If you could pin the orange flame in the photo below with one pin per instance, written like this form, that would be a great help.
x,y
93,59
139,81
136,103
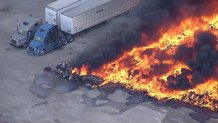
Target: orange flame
x,y
133,68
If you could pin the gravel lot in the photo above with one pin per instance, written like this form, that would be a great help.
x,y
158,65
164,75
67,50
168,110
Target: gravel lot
x,y
17,71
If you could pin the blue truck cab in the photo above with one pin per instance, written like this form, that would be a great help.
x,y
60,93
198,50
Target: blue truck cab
x,y
46,39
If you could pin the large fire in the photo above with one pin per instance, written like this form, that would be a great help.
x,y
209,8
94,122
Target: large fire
x,y
139,69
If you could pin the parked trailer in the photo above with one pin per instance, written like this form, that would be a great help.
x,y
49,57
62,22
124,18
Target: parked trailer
x,y
65,18
53,10
83,14
91,13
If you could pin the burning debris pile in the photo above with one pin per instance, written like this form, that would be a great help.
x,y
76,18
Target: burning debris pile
x,y
175,57
66,71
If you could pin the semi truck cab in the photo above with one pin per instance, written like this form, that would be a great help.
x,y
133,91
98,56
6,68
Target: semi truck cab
x,y
46,39
25,32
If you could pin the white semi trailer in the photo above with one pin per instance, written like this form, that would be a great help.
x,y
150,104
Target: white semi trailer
x,y
73,16
65,18
53,10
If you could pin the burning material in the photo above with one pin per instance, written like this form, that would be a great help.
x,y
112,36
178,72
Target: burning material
x,y
213,24
182,64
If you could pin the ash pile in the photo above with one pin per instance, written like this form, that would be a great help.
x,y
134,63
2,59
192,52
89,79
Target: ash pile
x,y
61,80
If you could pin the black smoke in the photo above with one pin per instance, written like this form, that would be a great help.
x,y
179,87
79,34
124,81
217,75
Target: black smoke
x,y
152,15
202,59
204,64
183,53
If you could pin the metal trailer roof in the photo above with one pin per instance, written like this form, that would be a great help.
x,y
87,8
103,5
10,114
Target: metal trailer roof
x,y
61,4
85,6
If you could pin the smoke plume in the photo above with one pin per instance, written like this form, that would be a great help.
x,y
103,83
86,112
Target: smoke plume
x,y
152,15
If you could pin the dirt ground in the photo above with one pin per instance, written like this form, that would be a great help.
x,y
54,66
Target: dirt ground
x,y
17,71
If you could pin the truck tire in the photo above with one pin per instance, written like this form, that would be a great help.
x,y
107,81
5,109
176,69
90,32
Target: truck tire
x,y
43,52
25,45
65,41
70,38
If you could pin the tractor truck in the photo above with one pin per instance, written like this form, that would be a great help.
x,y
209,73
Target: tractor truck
x,y
25,32
65,18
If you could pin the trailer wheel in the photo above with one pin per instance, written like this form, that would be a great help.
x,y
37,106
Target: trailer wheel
x,y
70,38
